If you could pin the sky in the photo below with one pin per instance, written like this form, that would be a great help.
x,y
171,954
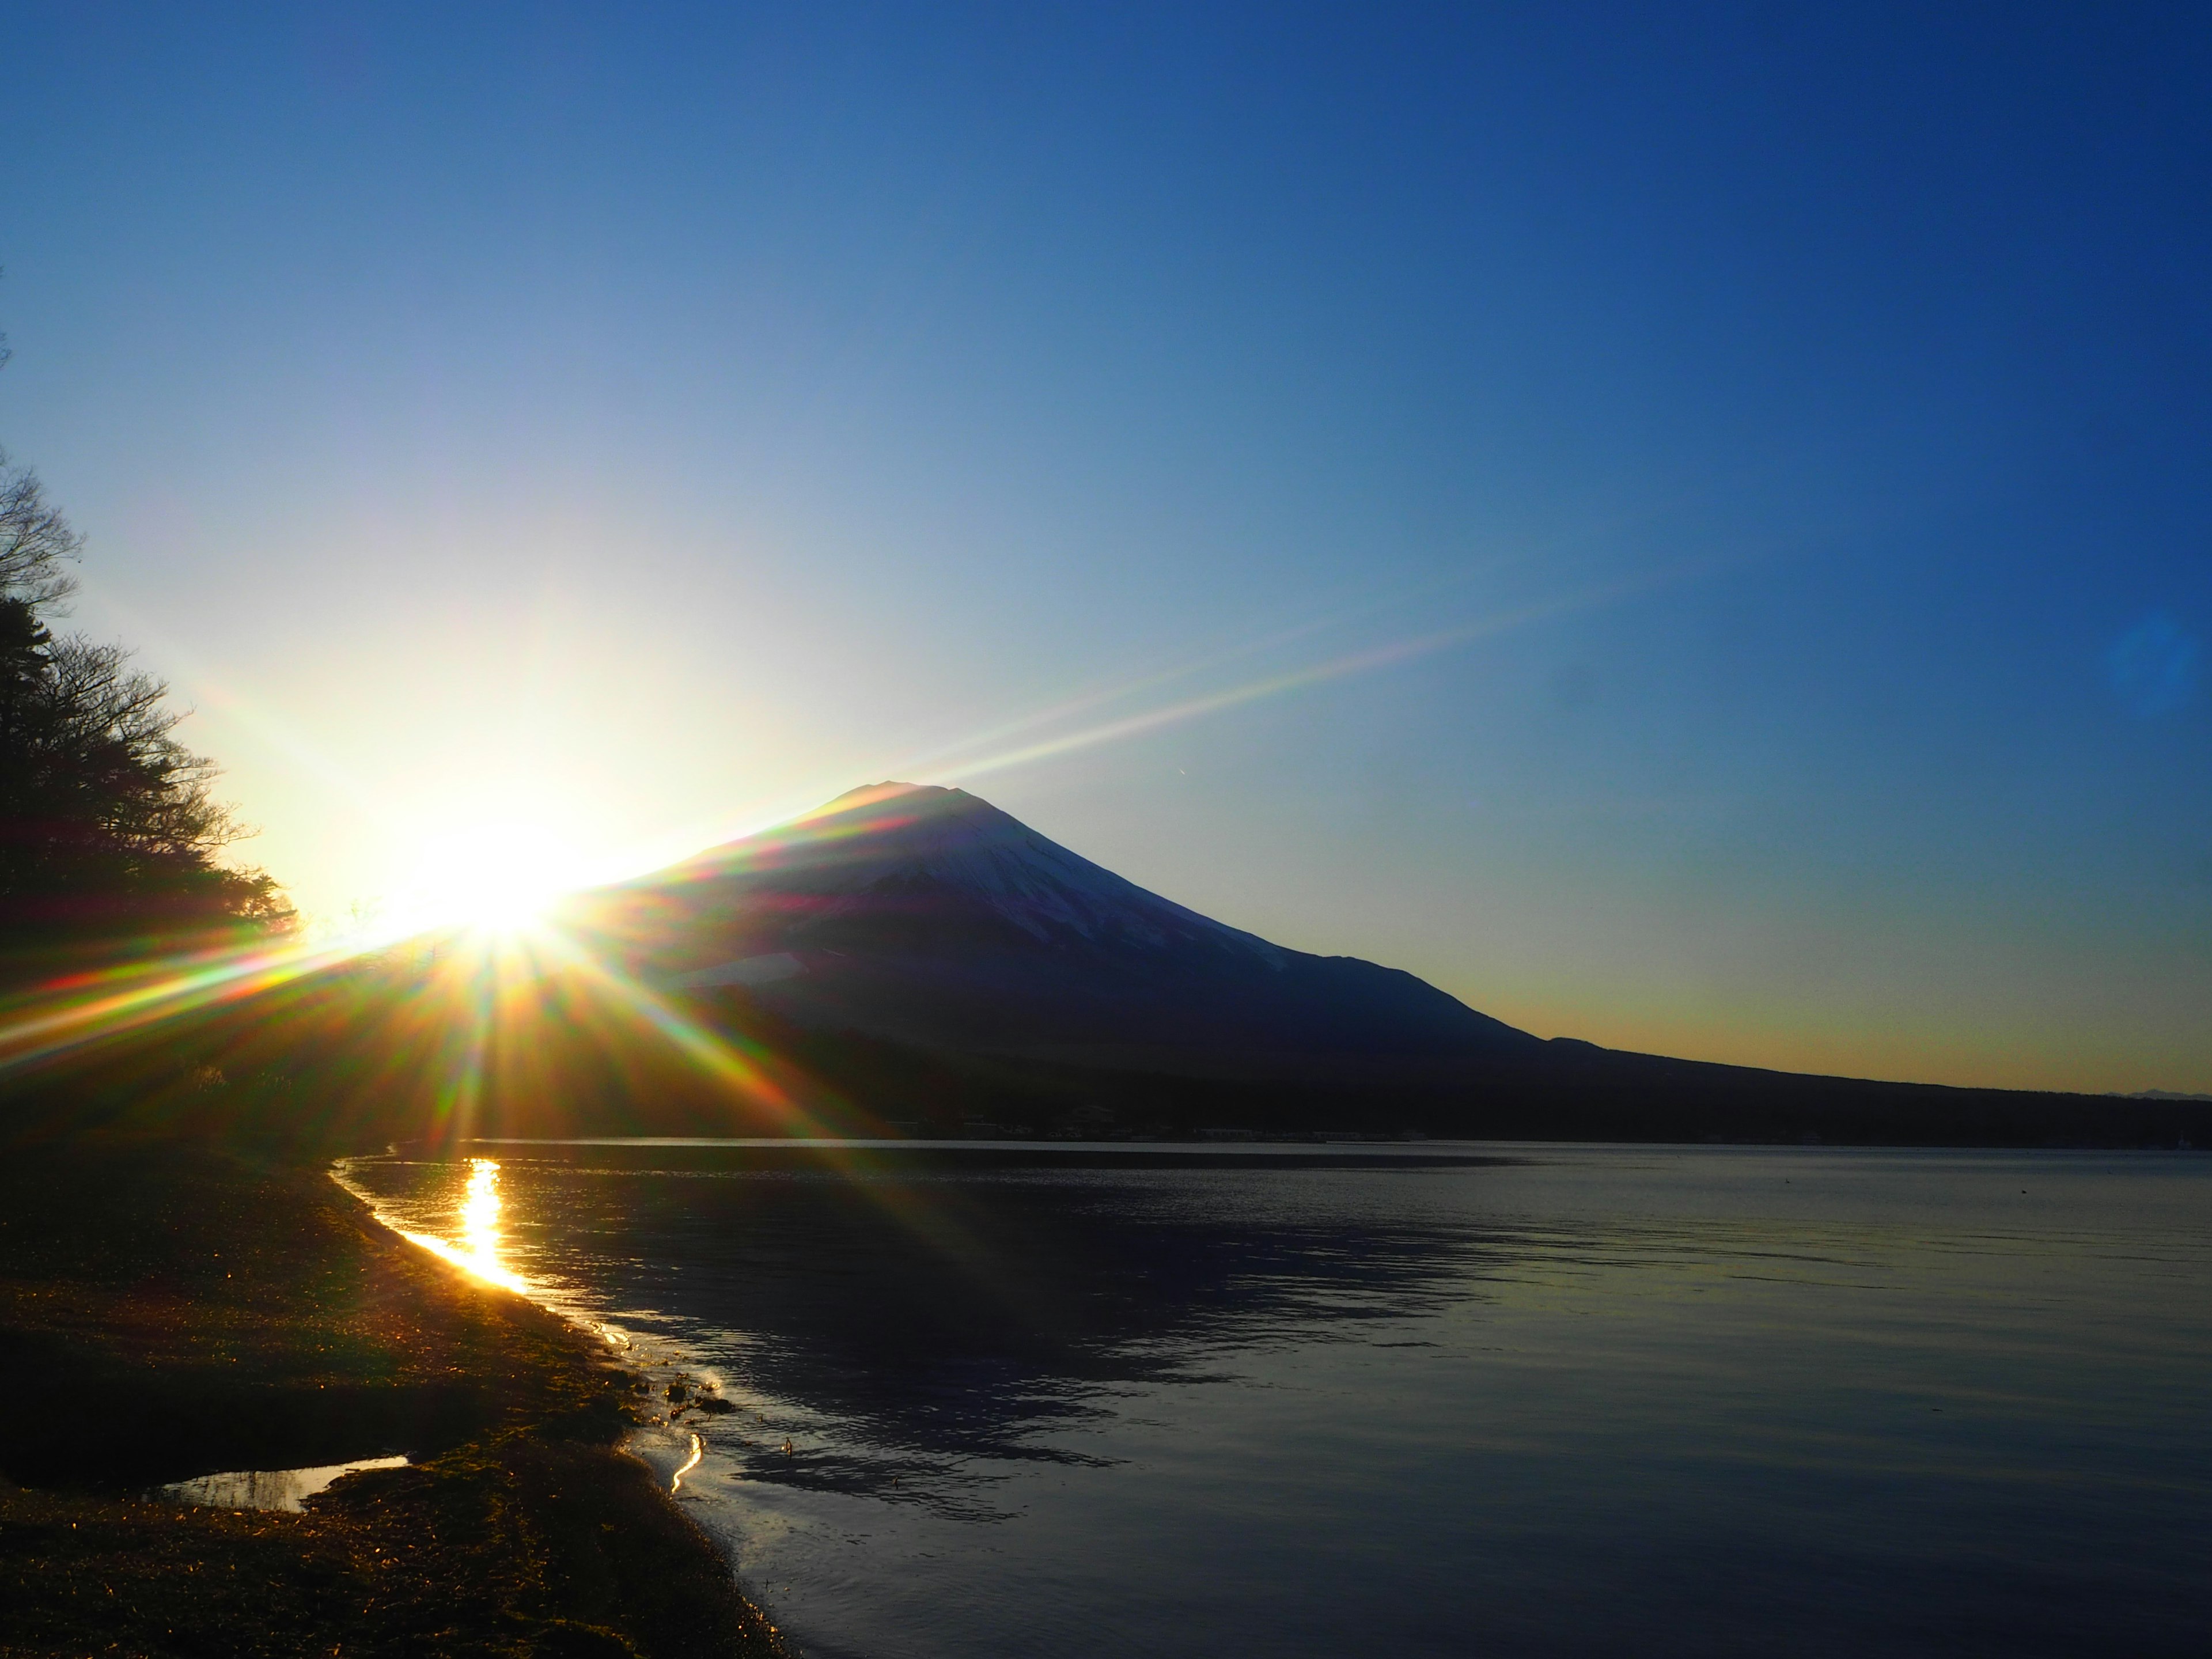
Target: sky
x,y
1688,526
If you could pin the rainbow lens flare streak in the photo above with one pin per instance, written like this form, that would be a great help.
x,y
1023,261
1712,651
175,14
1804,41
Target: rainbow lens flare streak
x,y
735,1062
75,1011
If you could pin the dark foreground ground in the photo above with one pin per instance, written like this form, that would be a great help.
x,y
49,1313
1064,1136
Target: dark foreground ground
x,y
169,1310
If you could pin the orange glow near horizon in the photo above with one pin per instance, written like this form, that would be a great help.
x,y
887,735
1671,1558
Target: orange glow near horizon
x,y
479,967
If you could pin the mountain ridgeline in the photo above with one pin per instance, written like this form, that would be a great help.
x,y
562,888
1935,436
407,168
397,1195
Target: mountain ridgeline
x,y
936,966
927,916
914,962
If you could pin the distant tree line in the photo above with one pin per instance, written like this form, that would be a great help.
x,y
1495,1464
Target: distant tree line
x,y
108,829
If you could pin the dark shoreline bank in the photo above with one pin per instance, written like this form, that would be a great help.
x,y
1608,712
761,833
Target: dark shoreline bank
x,y
168,1309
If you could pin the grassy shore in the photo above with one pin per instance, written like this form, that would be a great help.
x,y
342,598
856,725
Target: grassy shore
x,y
169,1310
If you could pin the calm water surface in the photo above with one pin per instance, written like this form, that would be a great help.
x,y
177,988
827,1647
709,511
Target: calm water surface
x,y
1587,1401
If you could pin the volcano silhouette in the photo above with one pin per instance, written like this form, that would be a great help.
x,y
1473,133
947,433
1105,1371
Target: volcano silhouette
x,y
922,952
929,917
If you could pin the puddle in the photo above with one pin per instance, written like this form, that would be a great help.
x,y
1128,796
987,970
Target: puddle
x,y
267,1489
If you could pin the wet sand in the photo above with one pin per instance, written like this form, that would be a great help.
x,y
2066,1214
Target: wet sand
x,y
168,1311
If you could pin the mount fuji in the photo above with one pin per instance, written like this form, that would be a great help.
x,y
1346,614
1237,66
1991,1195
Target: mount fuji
x,y
927,917
919,955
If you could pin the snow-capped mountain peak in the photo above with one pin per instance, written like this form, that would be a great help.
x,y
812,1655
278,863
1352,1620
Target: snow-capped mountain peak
x,y
891,843
930,917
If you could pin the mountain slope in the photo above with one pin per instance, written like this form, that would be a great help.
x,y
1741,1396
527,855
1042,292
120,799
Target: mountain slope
x,y
928,916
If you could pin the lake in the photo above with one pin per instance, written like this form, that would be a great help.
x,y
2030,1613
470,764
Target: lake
x,y
1555,1400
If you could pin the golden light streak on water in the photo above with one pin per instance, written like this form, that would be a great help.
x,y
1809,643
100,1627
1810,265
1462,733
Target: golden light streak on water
x,y
698,1451
480,1213
477,1251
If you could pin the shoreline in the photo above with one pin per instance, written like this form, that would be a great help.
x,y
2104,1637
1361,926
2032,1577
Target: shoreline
x,y
653,1435
213,1313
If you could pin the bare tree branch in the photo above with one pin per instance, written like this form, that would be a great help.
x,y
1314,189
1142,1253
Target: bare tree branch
x,y
34,540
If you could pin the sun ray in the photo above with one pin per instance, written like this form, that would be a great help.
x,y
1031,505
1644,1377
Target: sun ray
x,y
1336,668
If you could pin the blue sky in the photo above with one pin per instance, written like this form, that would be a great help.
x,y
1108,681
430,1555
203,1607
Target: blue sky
x,y
1709,504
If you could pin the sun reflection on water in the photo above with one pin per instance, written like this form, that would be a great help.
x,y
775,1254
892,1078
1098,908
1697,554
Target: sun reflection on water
x,y
477,1251
480,1210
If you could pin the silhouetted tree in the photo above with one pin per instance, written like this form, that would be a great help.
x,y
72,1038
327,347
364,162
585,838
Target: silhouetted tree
x,y
107,826
34,539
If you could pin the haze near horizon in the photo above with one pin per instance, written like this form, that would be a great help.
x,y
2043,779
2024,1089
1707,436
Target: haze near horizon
x,y
1683,526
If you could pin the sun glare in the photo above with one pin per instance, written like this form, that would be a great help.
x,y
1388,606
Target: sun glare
x,y
498,878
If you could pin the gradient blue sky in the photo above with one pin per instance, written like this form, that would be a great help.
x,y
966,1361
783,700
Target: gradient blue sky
x,y
1688,527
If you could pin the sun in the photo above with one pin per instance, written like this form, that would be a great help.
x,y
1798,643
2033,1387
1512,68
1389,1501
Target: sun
x,y
507,902
494,876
